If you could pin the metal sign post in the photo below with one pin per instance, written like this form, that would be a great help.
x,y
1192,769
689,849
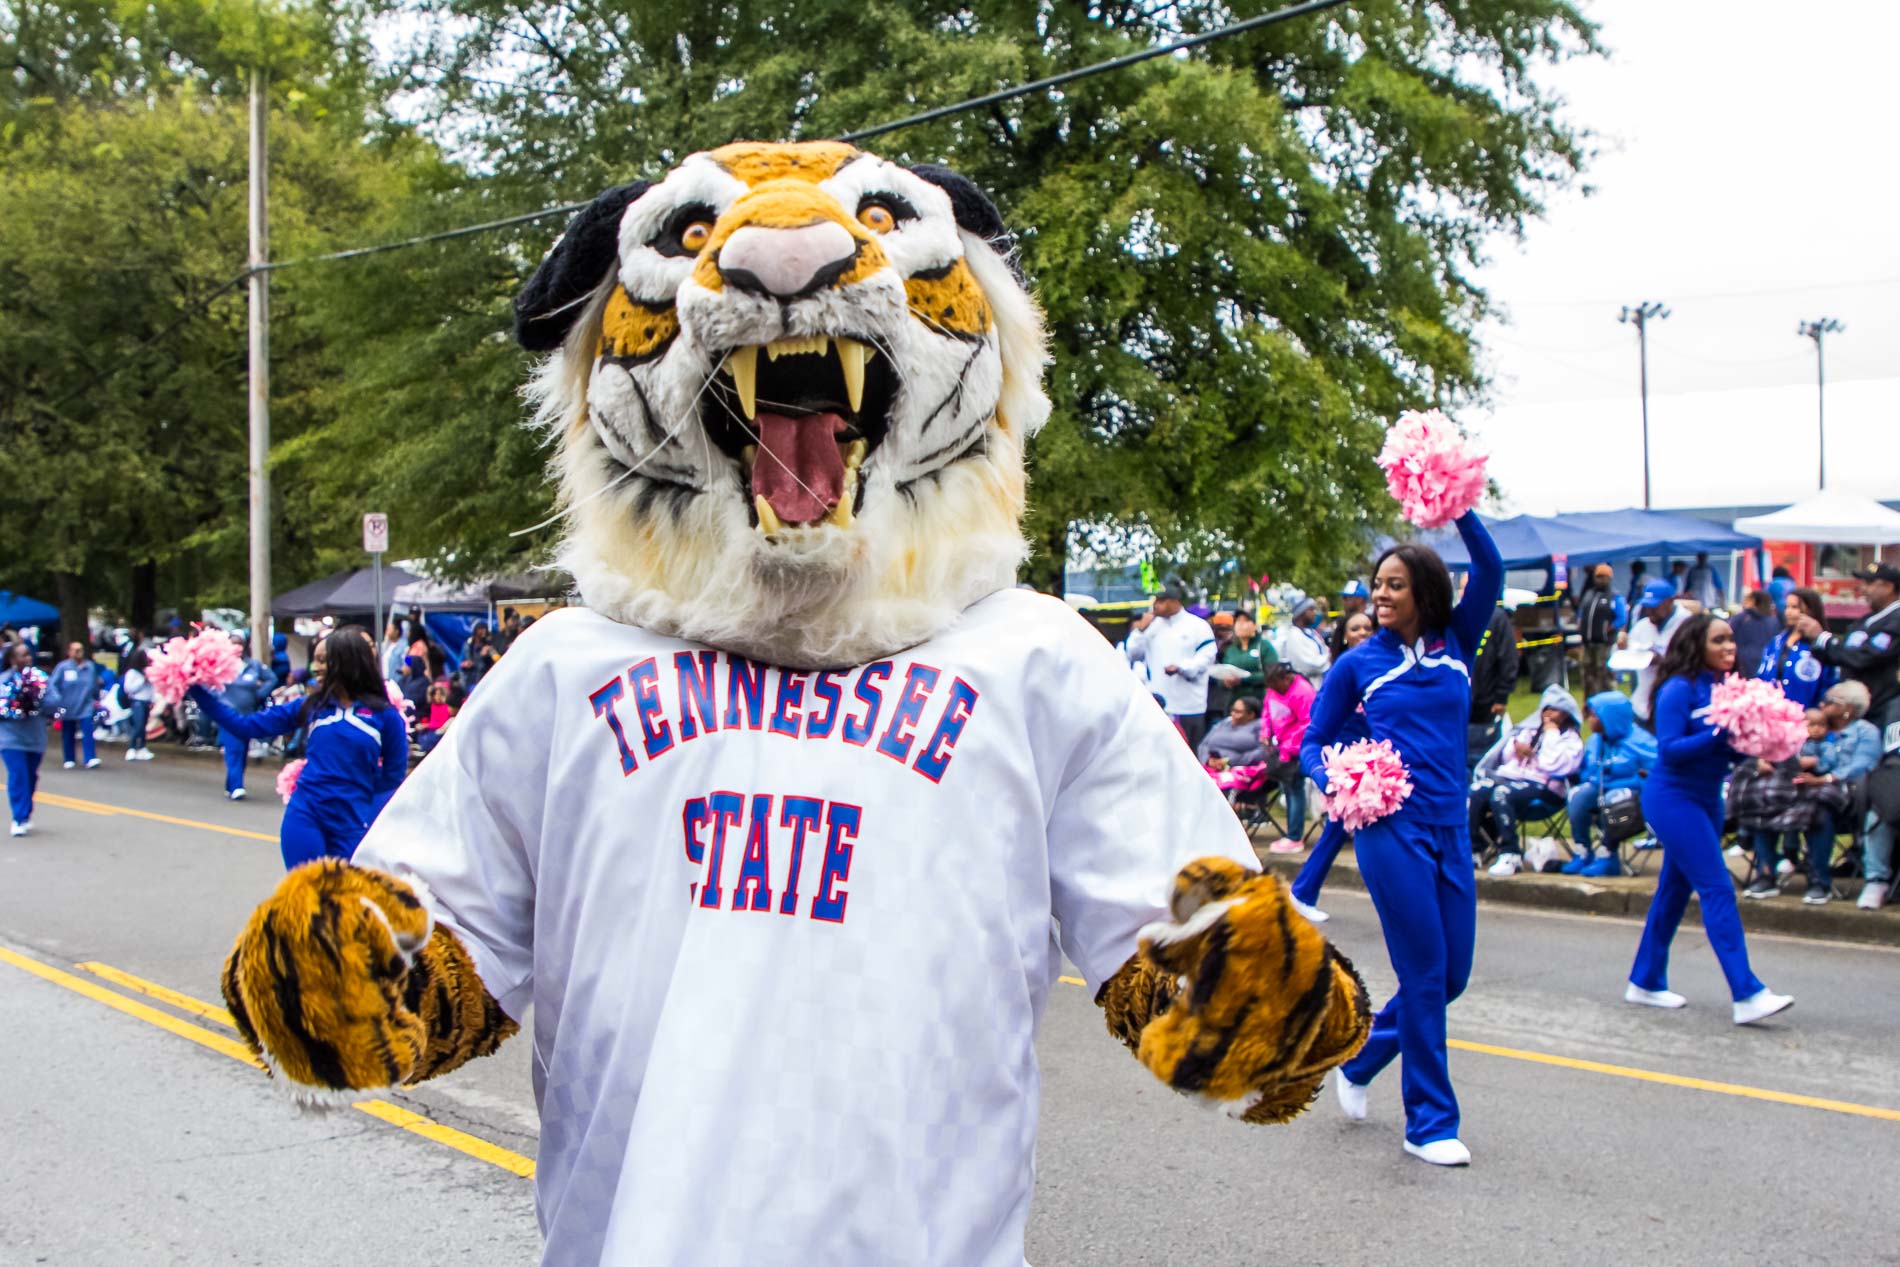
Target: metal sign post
x,y
376,542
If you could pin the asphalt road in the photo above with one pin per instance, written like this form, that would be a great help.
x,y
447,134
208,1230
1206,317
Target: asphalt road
x,y
126,1144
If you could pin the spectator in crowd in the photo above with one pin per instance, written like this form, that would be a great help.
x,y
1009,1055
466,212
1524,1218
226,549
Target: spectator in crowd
x,y
1302,646
280,657
1703,585
1178,649
1220,696
1679,578
1870,652
22,732
1246,651
1683,804
1659,616
246,694
414,683
1235,739
1601,615
1289,708
71,696
432,719
395,647
1755,627
1763,801
510,630
1638,581
1493,678
1825,786
1780,585
136,690
478,656
1616,759
1527,775
1352,602
1788,660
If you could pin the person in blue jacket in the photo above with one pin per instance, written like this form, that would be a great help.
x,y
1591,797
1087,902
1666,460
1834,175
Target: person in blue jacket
x,y
22,730
1682,803
280,657
1618,757
244,695
356,745
1413,681
1789,660
71,696
1355,629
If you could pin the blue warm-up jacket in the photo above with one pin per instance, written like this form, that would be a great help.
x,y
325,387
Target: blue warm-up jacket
x,y
1418,697
357,754
1790,664
1691,754
1618,755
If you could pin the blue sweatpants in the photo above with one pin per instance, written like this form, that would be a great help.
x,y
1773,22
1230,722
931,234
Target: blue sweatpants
x,y
1419,876
23,776
315,829
235,751
1319,862
1689,827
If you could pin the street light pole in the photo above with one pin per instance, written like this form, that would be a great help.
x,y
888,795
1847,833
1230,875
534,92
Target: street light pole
x,y
260,379
1819,330
1640,316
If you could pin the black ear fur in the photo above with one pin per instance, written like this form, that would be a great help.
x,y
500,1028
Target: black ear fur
x,y
549,304
975,212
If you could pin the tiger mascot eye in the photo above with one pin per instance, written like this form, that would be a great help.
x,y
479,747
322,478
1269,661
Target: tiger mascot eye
x,y
782,836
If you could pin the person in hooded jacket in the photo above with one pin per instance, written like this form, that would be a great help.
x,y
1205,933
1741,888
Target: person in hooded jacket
x,y
71,697
1617,758
1527,775
1790,662
243,695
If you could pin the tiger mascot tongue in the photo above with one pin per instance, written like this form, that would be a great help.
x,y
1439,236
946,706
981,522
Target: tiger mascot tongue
x,y
784,834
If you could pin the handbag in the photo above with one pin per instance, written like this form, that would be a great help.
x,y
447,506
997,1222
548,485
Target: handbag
x,y
1622,811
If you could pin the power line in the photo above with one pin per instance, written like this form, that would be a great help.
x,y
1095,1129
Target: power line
x,y
927,116
192,309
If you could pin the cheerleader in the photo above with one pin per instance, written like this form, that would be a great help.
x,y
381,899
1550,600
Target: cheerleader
x,y
1682,803
1355,629
1412,680
22,730
356,747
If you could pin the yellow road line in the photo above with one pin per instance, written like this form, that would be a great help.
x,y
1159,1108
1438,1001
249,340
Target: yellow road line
x,y
183,1002
383,1110
1677,1080
99,807
131,1007
1071,981
1666,1079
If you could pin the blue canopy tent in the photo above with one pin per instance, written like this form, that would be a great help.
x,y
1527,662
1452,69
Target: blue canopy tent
x,y
18,609
1663,534
1531,540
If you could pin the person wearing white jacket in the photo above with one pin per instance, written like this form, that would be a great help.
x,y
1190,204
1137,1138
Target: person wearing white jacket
x,y
1302,646
1527,775
1178,648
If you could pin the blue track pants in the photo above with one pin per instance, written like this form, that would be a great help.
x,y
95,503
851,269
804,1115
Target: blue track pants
x,y
315,829
235,751
1419,876
1690,830
1319,862
23,776
75,737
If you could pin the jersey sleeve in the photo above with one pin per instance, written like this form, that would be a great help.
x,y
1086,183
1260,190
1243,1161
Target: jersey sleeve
x,y
1130,807
466,824
1483,590
278,719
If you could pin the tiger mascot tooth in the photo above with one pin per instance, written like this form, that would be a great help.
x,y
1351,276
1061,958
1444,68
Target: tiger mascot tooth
x,y
779,840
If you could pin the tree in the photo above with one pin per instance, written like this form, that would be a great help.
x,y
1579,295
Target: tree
x,y
1252,257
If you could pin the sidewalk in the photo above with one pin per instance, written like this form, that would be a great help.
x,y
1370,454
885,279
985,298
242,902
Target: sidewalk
x,y
1628,896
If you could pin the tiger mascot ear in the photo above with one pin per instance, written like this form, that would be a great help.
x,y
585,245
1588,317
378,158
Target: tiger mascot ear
x,y
975,213
551,302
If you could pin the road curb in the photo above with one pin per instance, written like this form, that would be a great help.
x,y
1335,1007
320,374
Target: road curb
x,y
1629,898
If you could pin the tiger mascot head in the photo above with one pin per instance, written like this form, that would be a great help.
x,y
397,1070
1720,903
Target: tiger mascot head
x,y
791,386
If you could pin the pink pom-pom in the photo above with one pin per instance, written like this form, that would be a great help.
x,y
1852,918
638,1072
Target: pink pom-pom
x,y
400,704
1365,781
208,658
1760,720
1431,469
287,778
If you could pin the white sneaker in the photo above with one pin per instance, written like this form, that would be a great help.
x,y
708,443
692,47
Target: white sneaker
x,y
235,794
145,754
19,829
1508,864
68,765
1873,896
1352,1097
1784,867
131,754
1313,914
1440,1152
1760,1006
94,764
1634,993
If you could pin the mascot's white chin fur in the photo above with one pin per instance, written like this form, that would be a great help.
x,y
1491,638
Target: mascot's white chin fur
x,y
680,314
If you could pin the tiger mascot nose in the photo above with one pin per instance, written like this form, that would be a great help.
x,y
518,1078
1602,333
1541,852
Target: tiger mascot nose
x,y
787,263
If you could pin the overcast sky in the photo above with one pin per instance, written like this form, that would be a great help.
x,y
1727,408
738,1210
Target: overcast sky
x,y
1746,179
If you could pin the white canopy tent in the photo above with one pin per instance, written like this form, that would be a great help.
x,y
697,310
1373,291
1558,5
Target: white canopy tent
x,y
1830,517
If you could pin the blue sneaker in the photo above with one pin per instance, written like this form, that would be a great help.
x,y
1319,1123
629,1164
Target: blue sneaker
x,y
1577,864
1603,867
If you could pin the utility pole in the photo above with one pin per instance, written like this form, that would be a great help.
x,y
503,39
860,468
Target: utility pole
x,y
1819,330
260,380
1640,316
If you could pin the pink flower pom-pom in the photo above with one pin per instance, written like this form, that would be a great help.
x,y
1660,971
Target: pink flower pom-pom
x,y
1365,781
208,658
1760,720
1430,469
287,778
400,704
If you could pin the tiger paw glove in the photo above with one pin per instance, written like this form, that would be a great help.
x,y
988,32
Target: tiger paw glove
x,y
1248,1006
343,985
